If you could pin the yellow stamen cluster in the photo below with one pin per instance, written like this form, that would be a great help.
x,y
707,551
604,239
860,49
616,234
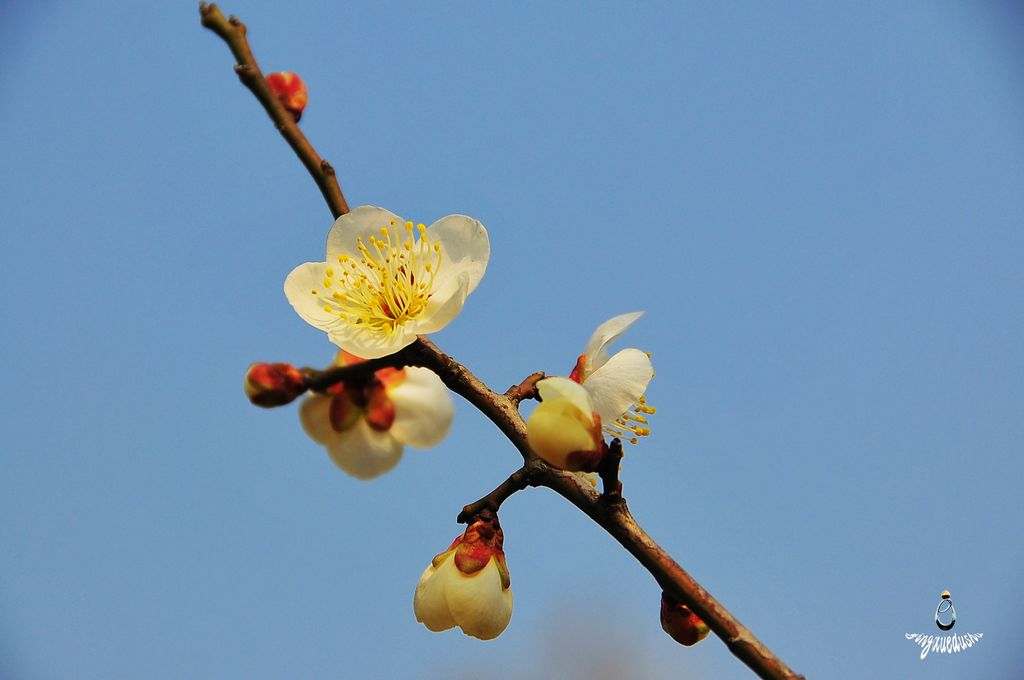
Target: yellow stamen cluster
x,y
388,285
632,422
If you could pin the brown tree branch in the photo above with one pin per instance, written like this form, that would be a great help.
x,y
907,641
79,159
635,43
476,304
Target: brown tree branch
x,y
517,481
318,381
608,510
609,471
526,389
233,32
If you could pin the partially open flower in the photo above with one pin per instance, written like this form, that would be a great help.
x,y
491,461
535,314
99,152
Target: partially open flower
x,y
290,89
270,385
468,584
678,621
386,280
564,429
365,423
616,385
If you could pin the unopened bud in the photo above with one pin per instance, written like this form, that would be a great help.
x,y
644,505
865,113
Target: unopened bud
x,y
680,623
290,89
269,385
468,584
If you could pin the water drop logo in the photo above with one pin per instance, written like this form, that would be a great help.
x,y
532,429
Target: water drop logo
x,y
945,619
945,606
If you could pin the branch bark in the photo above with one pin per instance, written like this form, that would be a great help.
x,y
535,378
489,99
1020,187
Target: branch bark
x,y
233,32
609,510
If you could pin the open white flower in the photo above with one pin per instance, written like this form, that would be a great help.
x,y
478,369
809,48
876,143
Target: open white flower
x,y
386,280
616,384
365,425
467,585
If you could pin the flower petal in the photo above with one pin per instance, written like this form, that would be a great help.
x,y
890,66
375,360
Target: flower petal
x,y
363,452
605,335
557,387
554,434
315,415
423,408
443,306
619,383
364,221
429,603
465,248
478,603
368,344
305,290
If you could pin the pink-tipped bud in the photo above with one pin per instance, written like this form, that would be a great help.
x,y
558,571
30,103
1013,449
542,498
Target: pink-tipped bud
x,y
290,89
269,385
680,623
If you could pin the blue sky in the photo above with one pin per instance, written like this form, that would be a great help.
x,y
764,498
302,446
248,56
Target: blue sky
x,y
819,207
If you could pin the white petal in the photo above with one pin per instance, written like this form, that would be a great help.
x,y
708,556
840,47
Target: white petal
x,y
423,408
315,415
443,306
364,452
369,345
557,387
478,603
619,383
429,603
364,221
555,429
304,289
606,334
465,248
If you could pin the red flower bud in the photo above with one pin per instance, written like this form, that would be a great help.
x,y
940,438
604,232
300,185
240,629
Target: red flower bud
x,y
269,385
290,89
680,623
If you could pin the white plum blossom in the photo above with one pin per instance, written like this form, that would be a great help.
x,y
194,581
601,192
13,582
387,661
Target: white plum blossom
x,y
616,384
386,280
364,425
467,585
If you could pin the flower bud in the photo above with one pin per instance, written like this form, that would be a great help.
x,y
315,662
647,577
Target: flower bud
x,y
290,89
269,385
468,585
563,429
680,623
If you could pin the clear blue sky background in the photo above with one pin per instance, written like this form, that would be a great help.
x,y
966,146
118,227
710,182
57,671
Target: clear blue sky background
x,y
819,205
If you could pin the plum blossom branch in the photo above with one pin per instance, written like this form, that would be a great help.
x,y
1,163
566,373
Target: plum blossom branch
x,y
233,32
526,389
318,381
609,471
608,510
517,481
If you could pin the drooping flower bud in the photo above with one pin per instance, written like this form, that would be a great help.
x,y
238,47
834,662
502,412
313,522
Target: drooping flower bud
x,y
365,421
269,385
290,89
680,623
468,584
564,430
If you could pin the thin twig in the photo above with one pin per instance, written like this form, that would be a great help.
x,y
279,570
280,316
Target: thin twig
x,y
517,481
608,511
609,472
233,32
526,389
318,381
